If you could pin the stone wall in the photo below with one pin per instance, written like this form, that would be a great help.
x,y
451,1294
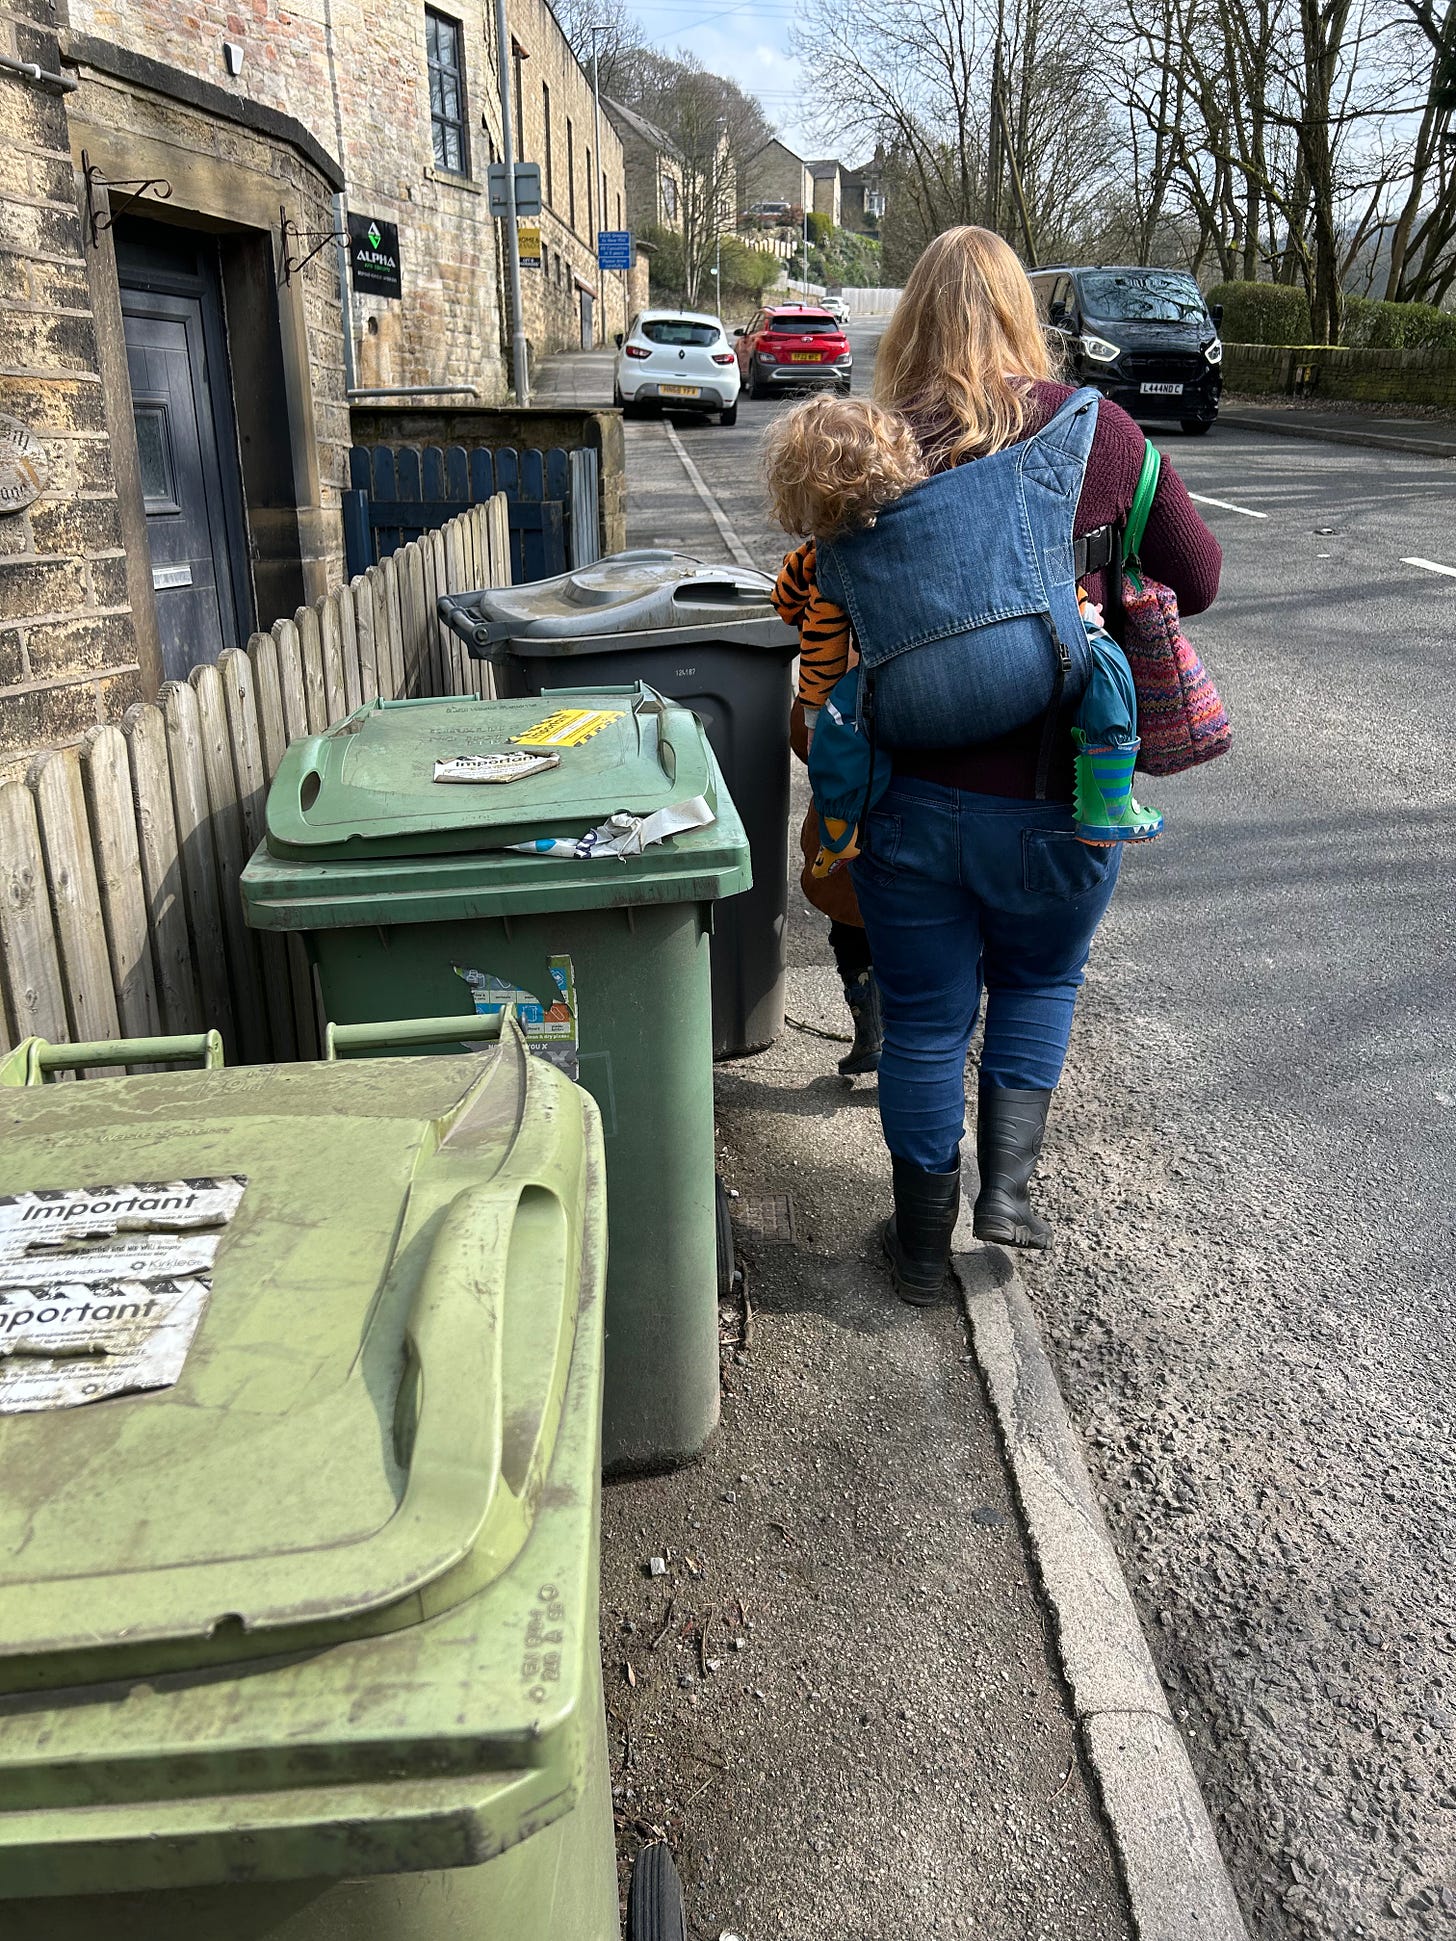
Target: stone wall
x,y
69,654
571,211
1340,372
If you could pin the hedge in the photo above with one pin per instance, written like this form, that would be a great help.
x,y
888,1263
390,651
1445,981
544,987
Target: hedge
x,y
1272,313
1374,325
1262,313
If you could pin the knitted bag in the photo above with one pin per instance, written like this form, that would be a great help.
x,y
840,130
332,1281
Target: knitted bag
x,y
1181,720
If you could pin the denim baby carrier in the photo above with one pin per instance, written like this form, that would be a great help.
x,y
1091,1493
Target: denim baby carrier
x,y
963,595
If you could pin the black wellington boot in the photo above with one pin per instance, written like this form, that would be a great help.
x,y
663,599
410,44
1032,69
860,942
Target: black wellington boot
x,y
1010,1127
862,995
918,1238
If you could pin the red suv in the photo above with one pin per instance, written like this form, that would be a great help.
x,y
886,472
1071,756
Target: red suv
x,y
791,345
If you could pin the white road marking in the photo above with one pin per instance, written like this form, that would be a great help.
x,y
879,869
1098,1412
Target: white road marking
x,y
715,512
1431,565
1224,506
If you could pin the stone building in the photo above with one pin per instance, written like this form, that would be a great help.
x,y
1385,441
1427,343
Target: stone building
x,y
862,196
173,341
827,178
569,303
653,169
774,173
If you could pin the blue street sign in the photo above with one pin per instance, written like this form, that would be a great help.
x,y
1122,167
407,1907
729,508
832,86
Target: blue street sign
x,y
614,249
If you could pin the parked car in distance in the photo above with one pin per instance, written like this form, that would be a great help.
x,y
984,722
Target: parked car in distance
x,y
769,212
677,360
1142,337
839,310
787,346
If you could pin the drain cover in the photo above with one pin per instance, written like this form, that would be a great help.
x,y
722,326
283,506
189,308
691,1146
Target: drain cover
x,y
765,1216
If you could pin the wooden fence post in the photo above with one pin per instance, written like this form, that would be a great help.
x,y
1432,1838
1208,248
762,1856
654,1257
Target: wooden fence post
x,y
106,778
65,834
160,857
35,1002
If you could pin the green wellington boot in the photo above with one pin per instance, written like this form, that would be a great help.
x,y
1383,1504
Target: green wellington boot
x,y
1107,810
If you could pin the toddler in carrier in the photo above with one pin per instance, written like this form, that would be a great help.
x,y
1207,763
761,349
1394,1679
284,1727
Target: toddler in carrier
x,y
832,466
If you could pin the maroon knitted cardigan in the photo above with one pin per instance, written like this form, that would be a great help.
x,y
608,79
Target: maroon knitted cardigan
x,y
1178,549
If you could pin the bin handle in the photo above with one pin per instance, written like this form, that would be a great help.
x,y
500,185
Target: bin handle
x,y
399,1034
41,1056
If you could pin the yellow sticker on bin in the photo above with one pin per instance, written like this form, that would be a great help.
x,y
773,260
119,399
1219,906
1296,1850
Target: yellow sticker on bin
x,y
567,728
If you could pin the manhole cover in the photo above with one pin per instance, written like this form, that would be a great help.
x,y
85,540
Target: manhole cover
x,y
765,1216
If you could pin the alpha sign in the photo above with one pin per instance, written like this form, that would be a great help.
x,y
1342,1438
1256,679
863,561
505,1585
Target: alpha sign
x,y
374,256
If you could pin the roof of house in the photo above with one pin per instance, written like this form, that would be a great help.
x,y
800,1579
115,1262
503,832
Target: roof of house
x,y
649,131
774,142
822,171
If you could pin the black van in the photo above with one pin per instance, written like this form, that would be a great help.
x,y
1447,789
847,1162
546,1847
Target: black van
x,y
1143,337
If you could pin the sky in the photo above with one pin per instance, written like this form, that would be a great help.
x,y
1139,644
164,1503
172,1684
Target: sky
x,y
747,42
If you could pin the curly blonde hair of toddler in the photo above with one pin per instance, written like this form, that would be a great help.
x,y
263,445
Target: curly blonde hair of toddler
x,y
833,464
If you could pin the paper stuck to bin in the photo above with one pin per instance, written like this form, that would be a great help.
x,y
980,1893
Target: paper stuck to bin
x,y
503,765
103,1287
624,834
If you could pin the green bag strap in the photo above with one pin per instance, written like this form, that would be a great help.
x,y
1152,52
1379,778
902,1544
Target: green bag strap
x,y
1142,503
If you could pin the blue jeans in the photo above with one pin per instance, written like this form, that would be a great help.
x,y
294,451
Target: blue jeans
x,y
960,890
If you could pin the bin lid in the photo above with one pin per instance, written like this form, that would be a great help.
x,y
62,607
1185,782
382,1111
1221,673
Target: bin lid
x,y
353,1436
367,786
643,592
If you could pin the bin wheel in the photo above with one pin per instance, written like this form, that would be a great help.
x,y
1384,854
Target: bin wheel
x,y
723,1212
654,1900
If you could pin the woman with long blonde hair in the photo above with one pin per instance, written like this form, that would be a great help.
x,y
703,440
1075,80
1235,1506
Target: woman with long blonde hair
x,y
971,875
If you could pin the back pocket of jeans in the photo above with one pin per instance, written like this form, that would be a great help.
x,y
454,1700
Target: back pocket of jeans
x,y
1055,864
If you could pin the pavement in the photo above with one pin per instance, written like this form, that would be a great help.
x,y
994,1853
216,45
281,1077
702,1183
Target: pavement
x,y
1376,427
1249,1304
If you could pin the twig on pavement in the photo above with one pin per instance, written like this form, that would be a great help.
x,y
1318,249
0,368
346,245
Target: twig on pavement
x,y
666,1624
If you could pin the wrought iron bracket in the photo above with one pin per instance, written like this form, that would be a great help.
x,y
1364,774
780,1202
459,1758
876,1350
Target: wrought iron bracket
x,y
292,235
99,219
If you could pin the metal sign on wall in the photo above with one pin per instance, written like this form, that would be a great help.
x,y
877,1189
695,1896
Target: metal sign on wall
x,y
614,249
528,236
374,256
25,468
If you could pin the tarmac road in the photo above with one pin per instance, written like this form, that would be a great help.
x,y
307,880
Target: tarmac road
x,y
1250,1300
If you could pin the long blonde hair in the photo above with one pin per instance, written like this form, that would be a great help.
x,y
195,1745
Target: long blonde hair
x,y
963,341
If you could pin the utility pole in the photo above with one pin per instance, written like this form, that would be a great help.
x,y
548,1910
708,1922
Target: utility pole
x,y
519,352
599,27
806,247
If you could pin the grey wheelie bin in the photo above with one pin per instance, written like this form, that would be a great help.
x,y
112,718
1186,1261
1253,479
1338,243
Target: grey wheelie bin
x,y
707,636
299,1423
423,897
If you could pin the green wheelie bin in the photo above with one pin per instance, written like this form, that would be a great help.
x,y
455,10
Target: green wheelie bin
x,y
423,896
300,1377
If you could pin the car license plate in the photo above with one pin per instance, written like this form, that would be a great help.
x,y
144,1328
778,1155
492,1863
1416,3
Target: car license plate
x,y
679,390
1162,390
806,357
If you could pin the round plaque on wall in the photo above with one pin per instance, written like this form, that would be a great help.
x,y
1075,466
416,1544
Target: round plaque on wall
x,y
24,467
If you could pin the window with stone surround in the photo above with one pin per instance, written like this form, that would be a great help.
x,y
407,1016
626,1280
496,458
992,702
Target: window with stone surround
x,y
550,170
570,174
445,58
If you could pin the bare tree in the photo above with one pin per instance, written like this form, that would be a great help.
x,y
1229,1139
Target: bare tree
x,y
715,128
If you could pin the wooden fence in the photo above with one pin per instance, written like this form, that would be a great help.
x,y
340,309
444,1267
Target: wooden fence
x,y
120,914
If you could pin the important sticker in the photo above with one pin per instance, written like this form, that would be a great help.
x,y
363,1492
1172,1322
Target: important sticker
x,y
567,728
102,1288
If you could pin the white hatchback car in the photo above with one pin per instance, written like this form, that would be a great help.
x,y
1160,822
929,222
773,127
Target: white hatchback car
x,y
678,360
